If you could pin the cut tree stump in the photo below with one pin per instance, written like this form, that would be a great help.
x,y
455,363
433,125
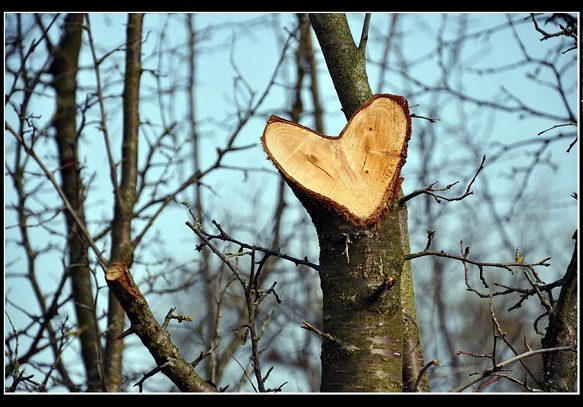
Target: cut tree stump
x,y
357,173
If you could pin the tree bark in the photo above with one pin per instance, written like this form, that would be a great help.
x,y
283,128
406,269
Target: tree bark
x,y
560,368
122,247
366,321
64,70
155,338
346,62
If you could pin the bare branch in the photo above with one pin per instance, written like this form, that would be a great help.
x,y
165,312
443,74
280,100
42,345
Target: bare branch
x,y
153,336
429,190
489,372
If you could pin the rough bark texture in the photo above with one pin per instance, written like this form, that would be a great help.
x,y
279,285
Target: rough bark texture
x,y
560,368
122,247
367,317
412,348
154,337
64,70
346,63
362,311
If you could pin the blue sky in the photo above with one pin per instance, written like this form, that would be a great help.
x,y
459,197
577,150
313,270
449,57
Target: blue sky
x,y
252,50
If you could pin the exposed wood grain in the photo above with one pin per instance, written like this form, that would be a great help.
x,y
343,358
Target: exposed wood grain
x,y
356,173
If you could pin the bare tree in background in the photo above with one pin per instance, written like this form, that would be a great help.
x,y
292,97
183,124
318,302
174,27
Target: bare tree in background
x,y
221,320
517,162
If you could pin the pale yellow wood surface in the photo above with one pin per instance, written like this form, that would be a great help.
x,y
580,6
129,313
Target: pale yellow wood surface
x,y
357,172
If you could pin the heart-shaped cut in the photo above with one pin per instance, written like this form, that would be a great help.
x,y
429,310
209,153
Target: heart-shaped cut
x,y
356,173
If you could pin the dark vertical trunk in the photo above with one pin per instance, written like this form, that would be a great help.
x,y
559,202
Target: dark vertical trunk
x,y
560,368
122,247
64,70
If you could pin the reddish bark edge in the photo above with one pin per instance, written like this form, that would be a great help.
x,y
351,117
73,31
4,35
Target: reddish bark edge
x,y
154,337
392,191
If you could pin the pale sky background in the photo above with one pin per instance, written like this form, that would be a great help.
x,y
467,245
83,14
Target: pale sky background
x,y
215,75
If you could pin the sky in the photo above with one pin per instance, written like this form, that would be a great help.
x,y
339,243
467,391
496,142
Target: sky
x,y
224,55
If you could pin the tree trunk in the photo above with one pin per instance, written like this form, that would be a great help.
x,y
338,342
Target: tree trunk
x,y
64,70
560,368
122,247
370,339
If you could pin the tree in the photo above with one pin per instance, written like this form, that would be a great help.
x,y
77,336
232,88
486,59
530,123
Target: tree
x,y
64,69
370,261
360,323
